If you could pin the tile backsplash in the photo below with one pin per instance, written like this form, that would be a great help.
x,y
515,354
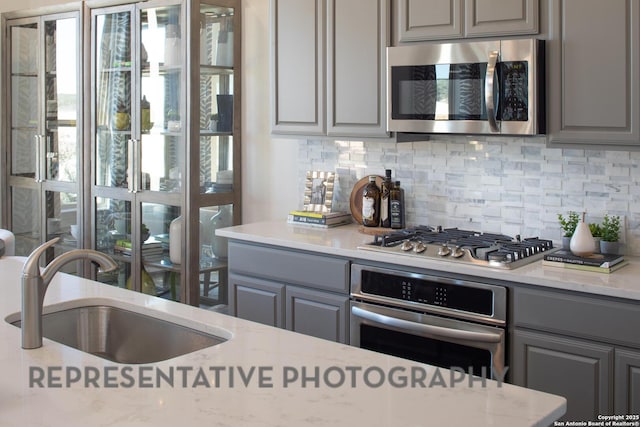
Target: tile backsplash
x,y
492,184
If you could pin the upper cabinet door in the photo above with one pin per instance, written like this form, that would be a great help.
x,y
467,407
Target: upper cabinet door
x,y
298,36
356,64
418,20
593,76
501,17
337,90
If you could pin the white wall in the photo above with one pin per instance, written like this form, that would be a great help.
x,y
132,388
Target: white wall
x,y
269,171
269,166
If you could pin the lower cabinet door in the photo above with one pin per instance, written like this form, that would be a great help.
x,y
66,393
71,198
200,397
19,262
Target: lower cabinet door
x,y
627,391
578,370
319,314
257,300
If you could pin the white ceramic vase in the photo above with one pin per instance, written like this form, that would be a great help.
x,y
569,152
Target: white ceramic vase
x,y
582,242
224,218
175,240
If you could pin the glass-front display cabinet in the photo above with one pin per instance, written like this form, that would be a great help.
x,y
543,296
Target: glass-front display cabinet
x,y
42,132
165,151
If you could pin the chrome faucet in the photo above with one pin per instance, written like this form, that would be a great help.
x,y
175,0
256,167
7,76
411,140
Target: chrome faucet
x,y
35,284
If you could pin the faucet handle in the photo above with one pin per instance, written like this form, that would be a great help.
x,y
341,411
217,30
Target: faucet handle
x,y
31,267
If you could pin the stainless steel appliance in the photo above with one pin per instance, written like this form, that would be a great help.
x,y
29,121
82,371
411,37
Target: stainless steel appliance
x,y
487,87
466,246
435,320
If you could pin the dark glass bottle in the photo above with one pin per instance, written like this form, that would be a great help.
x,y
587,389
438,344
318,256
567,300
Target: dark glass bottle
x,y
397,206
371,204
385,200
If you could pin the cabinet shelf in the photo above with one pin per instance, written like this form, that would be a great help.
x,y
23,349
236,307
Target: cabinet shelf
x,y
205,132
213,70
52,125
116,69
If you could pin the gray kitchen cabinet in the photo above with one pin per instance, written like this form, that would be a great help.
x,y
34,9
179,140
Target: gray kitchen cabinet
x,y
257,300
298,62
500,17
578,370
303,292
593,76
418,20
328,70
316,313
627,382
579,346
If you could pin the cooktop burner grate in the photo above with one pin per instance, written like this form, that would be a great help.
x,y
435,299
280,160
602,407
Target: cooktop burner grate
x,y
453,244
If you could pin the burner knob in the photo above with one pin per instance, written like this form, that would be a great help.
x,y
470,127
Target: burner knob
x,y
457,252
406,246
444,250
419,247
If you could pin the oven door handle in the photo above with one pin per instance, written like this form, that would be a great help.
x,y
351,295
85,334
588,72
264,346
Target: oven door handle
x,y
431,330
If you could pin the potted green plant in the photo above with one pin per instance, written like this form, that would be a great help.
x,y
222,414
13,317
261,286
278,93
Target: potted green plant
x,y
596,232
610,240
568,226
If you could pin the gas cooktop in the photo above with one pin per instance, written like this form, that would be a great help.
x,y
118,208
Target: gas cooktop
x,y
465,246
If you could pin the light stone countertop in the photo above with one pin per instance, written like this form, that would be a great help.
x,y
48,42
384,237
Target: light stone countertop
x,y
344,240
133,400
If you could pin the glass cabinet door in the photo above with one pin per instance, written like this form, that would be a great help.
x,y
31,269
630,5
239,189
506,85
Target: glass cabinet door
x,y
161,97
45,130
216,98
25,120
61,100
113,95
25,212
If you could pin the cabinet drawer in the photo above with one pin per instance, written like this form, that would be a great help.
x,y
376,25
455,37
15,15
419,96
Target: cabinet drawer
x,y
288,266
577,315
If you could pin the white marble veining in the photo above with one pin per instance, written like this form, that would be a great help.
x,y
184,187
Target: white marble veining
x,y
343,241
250,345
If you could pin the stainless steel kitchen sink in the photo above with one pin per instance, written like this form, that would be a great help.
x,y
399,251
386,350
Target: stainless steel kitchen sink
x,y
122,335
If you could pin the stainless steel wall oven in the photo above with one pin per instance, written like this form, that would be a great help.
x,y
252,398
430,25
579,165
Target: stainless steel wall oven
x,y
436,320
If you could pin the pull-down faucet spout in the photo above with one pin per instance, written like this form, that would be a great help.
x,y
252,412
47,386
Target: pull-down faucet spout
x,y
35,284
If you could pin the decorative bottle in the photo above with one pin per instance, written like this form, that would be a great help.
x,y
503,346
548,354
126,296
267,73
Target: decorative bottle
x,y
397,206
371,204
385,200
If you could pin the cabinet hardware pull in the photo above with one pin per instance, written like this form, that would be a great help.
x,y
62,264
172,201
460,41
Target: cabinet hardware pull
x,y
489,84
430,330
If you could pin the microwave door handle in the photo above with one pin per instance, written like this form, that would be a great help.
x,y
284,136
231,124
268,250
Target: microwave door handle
x,y
431,330
489,84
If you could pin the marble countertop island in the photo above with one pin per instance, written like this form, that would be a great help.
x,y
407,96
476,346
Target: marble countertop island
x,y
261,376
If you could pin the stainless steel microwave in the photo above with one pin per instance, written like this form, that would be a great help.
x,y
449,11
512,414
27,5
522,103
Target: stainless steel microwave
x,y
486,87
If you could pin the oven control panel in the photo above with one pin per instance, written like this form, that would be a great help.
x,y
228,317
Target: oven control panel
x,y
428,291
437,296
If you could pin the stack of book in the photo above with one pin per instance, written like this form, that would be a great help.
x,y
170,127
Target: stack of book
x,y
317,219
150,248
601,263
